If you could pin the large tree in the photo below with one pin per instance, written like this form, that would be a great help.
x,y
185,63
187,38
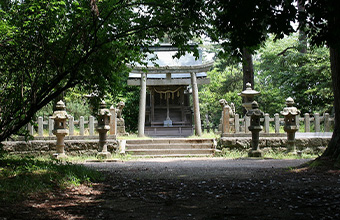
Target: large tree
x,y
246,24
282,71
48,46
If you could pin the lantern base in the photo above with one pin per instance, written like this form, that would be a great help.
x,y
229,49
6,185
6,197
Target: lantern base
x,y
255,153
60,155
104,155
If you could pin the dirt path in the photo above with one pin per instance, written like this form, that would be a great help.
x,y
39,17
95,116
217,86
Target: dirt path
x,y
195,168
195,189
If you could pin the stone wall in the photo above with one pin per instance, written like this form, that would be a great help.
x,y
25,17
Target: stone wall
x,y
48,147
314,145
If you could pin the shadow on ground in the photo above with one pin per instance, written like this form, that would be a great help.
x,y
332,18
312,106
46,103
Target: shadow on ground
x,y
192,189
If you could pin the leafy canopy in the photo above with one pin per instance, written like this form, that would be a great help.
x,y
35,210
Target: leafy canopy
x,y
48,46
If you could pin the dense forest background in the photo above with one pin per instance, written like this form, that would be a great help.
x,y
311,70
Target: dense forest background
x,y
281,70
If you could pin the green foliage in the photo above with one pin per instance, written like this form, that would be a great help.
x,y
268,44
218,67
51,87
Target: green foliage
x,y
225,83
130,95
22,176
246,23
49,46
282,71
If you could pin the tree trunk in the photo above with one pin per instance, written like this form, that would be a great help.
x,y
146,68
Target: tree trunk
x,y
248,71
333,149
302,33
248,68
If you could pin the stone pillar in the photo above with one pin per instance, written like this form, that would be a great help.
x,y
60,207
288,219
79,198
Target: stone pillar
x,y
327,123
91,125
50,126
142,105
81,126
40,126
277,123
113,121
246,124
266,123
197,117
317,122
30,129
307,122
71,125
237,123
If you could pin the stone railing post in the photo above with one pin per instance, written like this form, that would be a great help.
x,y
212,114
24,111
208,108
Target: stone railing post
x,y
30,129
266,123
91,125
81,126
50,126
307,122
71,125
327,122
40,126
277,123
237,123
113,121
317,122
297,119
246,124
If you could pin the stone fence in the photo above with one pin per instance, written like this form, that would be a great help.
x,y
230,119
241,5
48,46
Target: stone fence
x,y
48,125
308,123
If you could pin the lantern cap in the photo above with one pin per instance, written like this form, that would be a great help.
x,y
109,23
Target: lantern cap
x,y
290,109
60,112
249,91
103,110
255,111
290,102
60,105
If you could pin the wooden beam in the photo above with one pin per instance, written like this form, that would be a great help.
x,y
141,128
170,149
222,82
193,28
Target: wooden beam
x,y
163,82
172,69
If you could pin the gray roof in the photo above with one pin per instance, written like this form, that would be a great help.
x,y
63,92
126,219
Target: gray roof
x,y
164,58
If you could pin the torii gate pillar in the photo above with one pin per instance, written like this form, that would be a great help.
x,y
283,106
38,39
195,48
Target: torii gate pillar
x,y
197,117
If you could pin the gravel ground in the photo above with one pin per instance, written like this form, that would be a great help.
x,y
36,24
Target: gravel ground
x,y
193,188
195,168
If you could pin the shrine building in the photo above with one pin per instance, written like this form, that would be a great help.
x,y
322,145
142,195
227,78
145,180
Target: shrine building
x,y
165,107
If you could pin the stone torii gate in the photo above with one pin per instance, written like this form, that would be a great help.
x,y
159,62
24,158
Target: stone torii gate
x,y
168,70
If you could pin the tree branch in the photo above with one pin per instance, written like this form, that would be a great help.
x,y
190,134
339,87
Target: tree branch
x,y
285,50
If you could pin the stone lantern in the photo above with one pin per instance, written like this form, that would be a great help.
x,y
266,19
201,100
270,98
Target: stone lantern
x,y
248,96
102,128
255,127
60,130
290,112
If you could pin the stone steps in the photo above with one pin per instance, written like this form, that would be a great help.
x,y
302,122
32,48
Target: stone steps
x,y
169,147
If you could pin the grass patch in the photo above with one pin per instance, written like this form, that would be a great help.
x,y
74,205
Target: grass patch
x,y
22,176
207,135
271,154
132,136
